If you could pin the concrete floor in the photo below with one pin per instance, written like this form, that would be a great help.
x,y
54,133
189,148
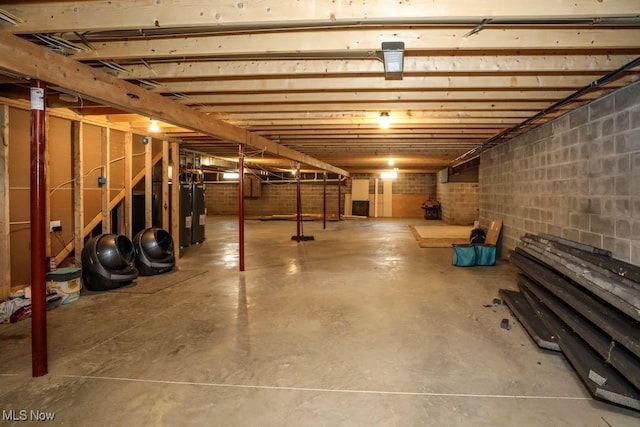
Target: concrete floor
x,y
360,327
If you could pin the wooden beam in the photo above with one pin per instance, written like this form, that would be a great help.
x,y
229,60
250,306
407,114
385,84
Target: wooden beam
x,y
413,65
23,57
5,217
77,137
165,185
424,83
175,198
64,16
364,40
106,172
128,185
148,184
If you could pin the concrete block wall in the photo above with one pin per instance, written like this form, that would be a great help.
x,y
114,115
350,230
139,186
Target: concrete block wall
x,y
459,202
577,177
280,198
276,199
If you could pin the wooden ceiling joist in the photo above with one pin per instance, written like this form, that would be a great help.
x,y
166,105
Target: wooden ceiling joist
x,y
62,16
345,106
25,58
413,65
437,83
363,41
308,74
413,96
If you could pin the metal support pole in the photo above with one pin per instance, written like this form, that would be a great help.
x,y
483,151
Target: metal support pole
x,y
298,205
324,200
38,232
241,204
339,196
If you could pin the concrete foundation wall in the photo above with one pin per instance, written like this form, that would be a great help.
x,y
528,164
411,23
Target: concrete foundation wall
x,y
276,199
280,198
459,202
577,177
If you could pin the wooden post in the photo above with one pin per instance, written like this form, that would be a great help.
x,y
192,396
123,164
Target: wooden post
x,y
175,198
39,230
165,185
106,194
5,227
77,136
128,188
148,184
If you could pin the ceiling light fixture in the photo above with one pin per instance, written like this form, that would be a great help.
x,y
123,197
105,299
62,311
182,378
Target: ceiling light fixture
x,y
384,120
153,126
391,162
393,58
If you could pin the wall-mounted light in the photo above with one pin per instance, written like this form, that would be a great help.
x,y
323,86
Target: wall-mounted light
x,y
393,58
153,126
384,120
230,175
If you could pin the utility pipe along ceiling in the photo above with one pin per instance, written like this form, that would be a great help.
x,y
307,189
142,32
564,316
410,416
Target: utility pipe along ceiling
x,y
309,75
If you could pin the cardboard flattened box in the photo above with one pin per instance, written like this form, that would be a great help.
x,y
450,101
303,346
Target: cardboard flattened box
x,y
66,282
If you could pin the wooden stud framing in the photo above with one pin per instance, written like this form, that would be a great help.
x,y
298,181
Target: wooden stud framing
x,y
106,197
165,185
148,184
128,187
5,228
175,198
77,136
112,205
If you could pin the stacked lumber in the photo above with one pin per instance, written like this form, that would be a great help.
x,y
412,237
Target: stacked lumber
x,y
578,300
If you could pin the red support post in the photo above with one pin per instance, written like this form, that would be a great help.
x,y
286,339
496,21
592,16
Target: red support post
x,y
298,205
38,232
324,200
241,204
